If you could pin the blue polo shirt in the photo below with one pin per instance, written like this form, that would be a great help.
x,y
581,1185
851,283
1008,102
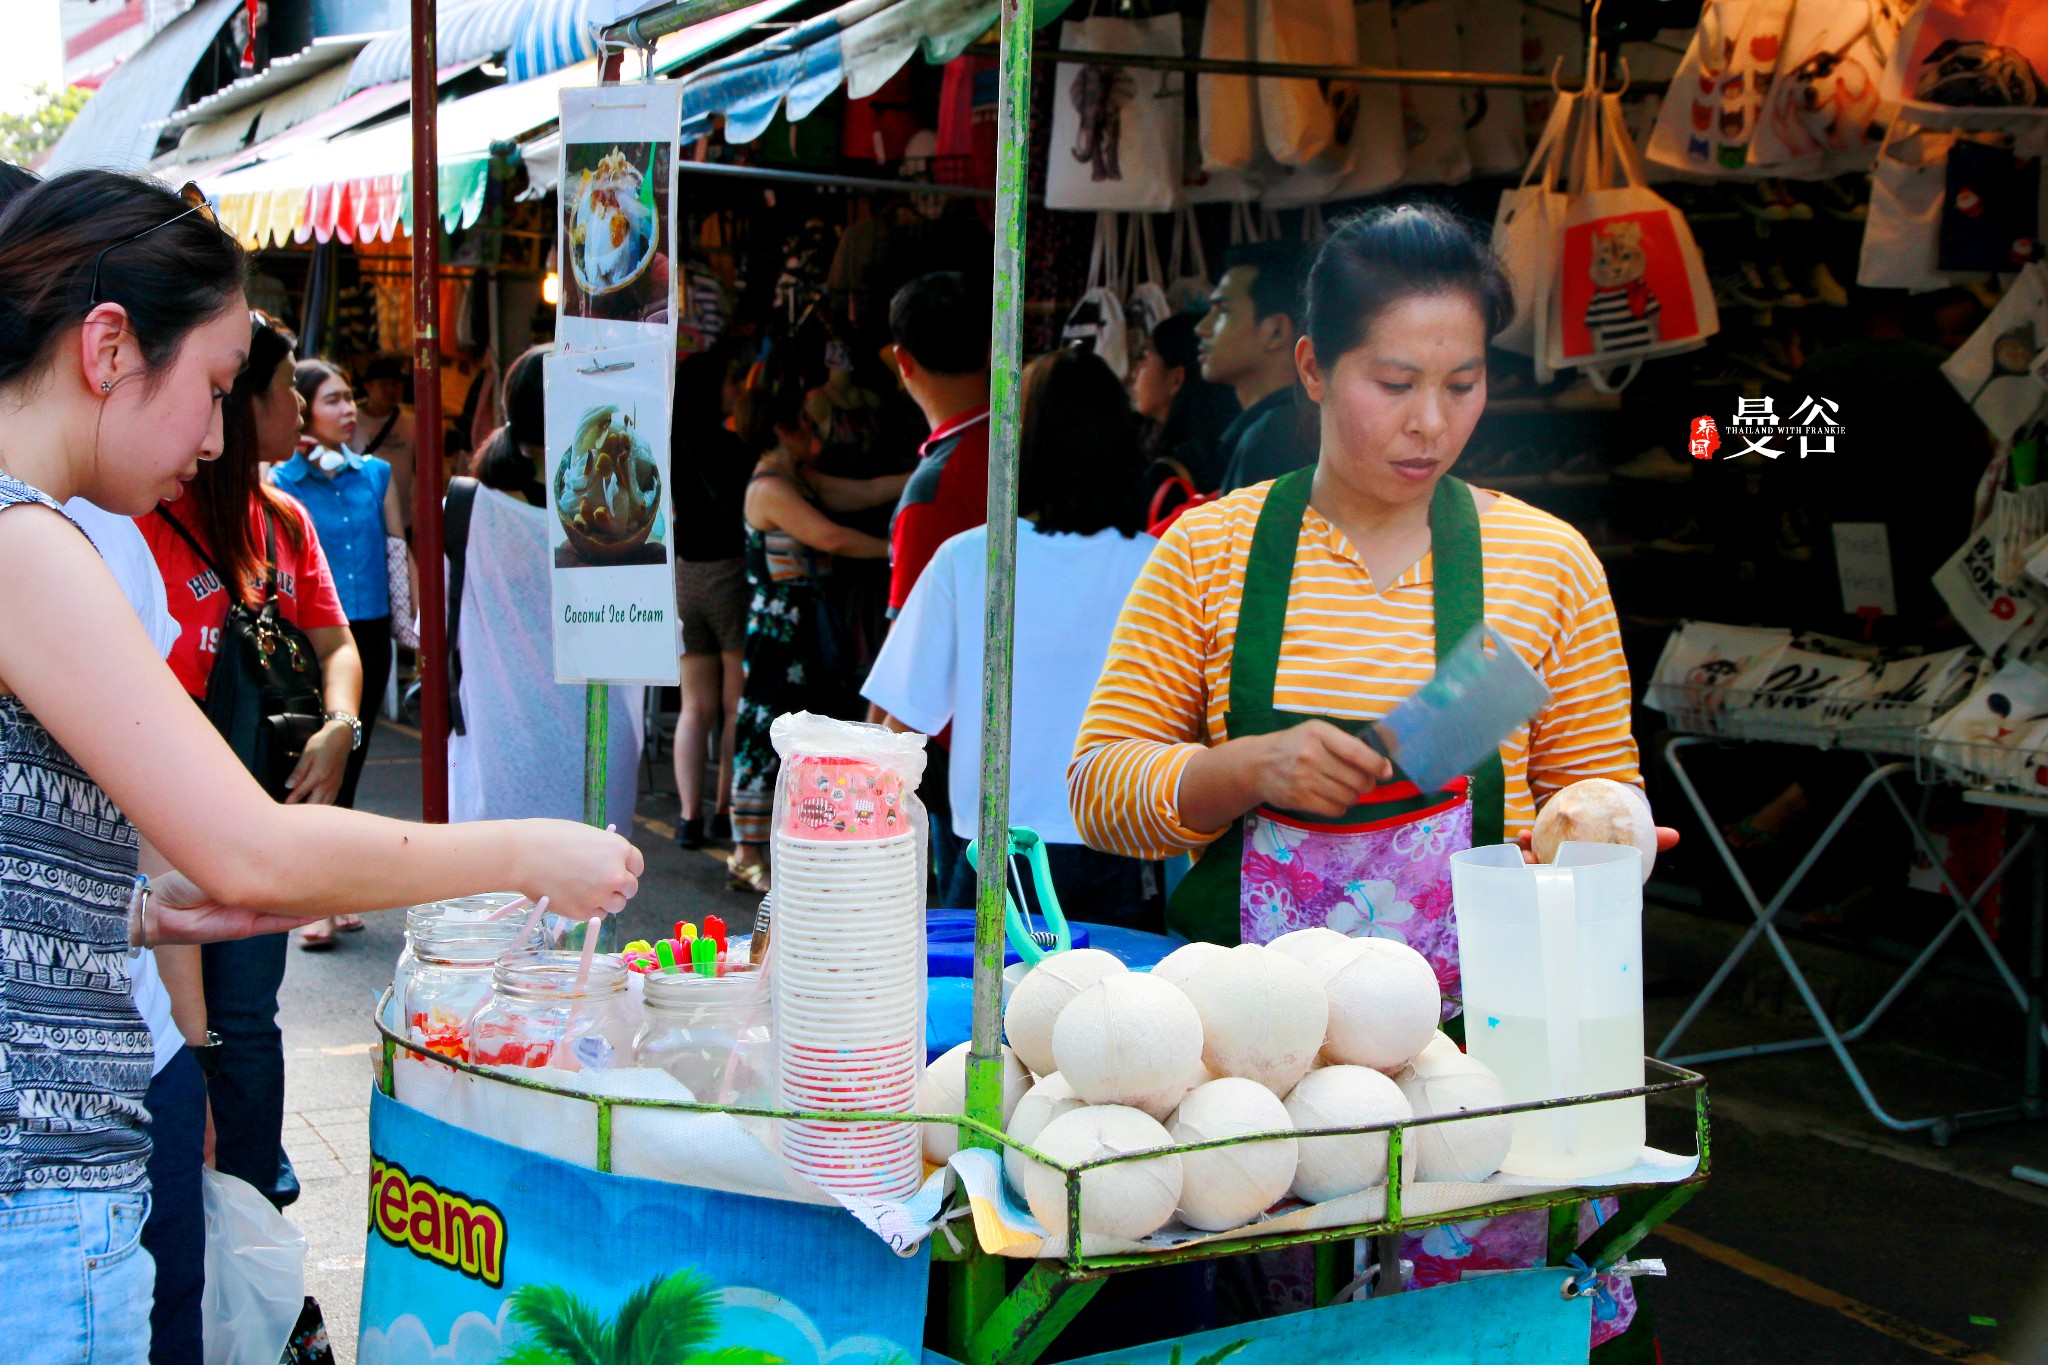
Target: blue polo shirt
x,y
348,512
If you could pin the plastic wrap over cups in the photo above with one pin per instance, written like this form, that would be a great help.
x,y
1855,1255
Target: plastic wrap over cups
x,y
847,964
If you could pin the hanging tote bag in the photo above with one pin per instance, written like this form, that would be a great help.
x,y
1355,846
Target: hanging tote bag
x,y
1631,283
1427,36
1116,130
1496,133
1097,322
1306,122
1970,63
1710,113
1379,142
1818,117
1528,236
1145,302
1226,108
1902,233
1187,289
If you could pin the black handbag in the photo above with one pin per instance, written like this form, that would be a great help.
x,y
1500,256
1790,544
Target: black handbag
x,y
264,693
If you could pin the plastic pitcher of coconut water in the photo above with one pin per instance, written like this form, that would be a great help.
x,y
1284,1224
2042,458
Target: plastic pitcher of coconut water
x,y
1552,960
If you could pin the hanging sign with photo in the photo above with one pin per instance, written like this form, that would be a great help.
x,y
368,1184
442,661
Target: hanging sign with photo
x,y
617,215
614,587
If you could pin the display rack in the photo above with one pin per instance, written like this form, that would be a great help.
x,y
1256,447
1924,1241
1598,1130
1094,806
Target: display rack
x,y
1016,1327
1891,736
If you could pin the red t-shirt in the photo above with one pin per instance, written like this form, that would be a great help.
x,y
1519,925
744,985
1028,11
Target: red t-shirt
x,y
946,495
305,589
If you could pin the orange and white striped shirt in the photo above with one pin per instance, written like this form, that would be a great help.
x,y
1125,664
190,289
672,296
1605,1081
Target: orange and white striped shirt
x,y
1349,650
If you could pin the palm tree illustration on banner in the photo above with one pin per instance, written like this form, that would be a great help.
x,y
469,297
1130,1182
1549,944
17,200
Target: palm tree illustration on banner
x,y
666,1321
1215,1357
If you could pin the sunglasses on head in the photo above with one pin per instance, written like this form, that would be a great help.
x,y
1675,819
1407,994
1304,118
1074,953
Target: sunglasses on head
x,y
195,201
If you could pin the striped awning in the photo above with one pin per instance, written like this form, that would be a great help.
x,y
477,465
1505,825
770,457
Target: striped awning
x,y
533,37
860,45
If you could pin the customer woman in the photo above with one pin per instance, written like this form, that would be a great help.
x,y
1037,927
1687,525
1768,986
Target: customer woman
x,y
354,505
1185,415
513,458
791,649
712,469
126,326
225,539
1080,547
1270,624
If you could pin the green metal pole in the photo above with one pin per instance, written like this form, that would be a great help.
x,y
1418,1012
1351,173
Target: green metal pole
x,y
979,1291
1006,345
597,751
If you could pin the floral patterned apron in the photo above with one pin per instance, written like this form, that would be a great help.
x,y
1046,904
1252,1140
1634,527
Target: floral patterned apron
x,y
1383,868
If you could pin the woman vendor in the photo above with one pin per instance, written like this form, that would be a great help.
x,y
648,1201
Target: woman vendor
x,y
1268,626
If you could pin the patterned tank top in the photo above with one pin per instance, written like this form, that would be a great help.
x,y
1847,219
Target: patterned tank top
x,y
75,1054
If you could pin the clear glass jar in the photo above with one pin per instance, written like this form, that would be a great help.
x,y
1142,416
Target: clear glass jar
x,y
711,1033
539,1017
423,916
454,966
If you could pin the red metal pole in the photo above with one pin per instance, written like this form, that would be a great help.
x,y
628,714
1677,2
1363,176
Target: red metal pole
x,y
426,378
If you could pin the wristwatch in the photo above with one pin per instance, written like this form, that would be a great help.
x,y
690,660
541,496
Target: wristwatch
x,y
355,728
208,1054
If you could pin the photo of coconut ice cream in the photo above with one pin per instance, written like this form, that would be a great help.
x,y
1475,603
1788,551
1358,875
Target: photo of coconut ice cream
x,y
612,225
607,487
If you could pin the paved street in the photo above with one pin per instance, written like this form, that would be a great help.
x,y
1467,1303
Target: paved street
x,y
1820,1238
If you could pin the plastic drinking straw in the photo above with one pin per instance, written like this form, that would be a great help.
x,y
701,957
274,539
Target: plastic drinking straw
x,y
703,957
526,931
590,929
508,908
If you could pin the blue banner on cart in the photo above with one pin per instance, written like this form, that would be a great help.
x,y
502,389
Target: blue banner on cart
x,y
477,1249
1516,1317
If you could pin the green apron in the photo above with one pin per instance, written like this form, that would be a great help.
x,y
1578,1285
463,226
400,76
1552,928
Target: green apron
x,y
1205,906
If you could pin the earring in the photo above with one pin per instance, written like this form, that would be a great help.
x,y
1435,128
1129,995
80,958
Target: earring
x,y
106,386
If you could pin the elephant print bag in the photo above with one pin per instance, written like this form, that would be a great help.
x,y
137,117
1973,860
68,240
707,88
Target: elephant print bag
x,y
1631,282
1116,130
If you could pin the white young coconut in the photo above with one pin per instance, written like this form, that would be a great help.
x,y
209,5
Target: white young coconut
x,y
1324,956
942,1089
1180,965
1384,1006
1042,1103
1446,1081
1263,1016
1343,1097
1227,1187
1131,1199
1306,945
1129,1039
1596,810
1046,990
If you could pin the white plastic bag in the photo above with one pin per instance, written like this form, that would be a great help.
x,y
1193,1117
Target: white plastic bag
x,y
255,1275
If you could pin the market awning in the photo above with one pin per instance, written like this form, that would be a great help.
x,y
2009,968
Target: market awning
x,y
861,45
534,37
298,72
119,126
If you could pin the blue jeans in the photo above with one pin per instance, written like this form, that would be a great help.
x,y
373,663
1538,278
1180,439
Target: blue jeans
x,y
78,1279
242,978
175,1235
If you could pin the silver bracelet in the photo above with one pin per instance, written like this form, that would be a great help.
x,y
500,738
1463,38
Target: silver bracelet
x,y
142,925
355,728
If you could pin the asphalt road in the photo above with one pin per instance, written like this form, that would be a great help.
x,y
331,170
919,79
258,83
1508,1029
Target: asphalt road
x,y
1821,1237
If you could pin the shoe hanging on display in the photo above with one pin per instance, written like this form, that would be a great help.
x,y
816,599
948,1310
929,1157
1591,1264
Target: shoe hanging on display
x,y
1584,470
1656,465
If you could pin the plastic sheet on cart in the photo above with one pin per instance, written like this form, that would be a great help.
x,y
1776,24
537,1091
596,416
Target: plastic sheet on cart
x,y
1006,1228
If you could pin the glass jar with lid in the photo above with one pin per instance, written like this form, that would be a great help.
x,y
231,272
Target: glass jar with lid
x,y
454,966
711,1033
539,1016
420,917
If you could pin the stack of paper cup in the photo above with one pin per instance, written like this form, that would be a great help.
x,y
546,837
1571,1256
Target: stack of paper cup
x,y
848,980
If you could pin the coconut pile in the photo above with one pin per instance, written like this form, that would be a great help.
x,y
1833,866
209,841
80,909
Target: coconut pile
x,y
1315,1030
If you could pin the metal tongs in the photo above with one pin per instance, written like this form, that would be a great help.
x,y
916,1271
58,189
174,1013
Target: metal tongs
x,y
1032,944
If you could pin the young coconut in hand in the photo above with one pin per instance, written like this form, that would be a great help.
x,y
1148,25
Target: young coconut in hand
x,y
1596,810
942,1089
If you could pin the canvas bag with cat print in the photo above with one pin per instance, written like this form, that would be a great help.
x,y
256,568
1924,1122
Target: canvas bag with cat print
x,y
1631,283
